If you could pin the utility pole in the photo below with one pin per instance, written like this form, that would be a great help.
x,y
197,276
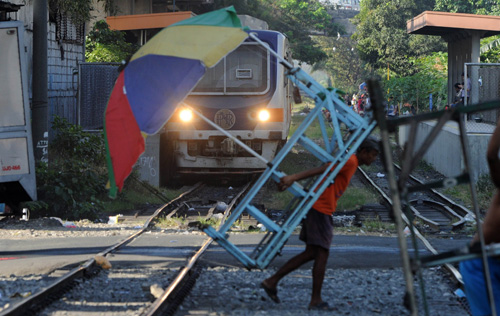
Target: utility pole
x,y
40,122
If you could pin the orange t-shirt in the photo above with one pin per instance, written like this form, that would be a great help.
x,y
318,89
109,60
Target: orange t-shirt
x,y
327,201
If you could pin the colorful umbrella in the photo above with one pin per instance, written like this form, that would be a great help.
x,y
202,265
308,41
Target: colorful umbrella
x,y
157,78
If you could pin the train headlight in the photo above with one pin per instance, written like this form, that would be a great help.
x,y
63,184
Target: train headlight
x,y
186,115
264,115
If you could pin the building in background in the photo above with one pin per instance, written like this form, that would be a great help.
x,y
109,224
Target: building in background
x,y
65,50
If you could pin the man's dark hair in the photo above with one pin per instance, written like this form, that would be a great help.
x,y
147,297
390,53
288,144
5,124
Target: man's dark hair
x,y
457,85
369,144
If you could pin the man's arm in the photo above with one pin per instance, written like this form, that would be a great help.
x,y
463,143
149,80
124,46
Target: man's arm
x,y
287,181
491,222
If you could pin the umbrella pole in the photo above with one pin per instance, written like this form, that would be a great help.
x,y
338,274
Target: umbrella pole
x,y
239,142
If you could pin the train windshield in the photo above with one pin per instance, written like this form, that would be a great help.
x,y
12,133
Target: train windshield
x,y
243,71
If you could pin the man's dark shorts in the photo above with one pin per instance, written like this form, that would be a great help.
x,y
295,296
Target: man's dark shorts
x,y
317,229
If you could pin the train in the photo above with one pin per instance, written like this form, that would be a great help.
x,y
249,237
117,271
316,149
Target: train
x,y
249,95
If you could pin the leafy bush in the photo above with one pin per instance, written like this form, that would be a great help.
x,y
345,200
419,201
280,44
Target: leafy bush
x,y
431,78
105,45
485,190
71,184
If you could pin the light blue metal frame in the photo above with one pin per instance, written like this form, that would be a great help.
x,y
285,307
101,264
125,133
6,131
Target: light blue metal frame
x,y
337,150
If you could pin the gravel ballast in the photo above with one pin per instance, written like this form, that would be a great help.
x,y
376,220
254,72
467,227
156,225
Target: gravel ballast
x,y
227,291
219,290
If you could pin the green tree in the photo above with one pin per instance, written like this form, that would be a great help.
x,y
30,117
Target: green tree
x,y
343,63
298,20
490,49
382,37
486,7
105,45
430,78
80,10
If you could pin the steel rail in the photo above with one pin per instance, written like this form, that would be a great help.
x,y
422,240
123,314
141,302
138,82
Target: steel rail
x,y
34,302
162,305
465,210
455,273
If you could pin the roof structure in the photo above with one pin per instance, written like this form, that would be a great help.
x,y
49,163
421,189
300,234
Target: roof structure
x,y
146,21
445,24
463,33
9,7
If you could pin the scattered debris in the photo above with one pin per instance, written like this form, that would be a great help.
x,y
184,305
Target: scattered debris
x,y
343,220
69,225
218,216
116,219
460,293
156,290
103,262
407,231
221,206
261,227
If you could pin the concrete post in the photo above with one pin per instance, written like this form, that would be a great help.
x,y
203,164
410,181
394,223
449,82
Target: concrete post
x,y
40,124
474,71
451,63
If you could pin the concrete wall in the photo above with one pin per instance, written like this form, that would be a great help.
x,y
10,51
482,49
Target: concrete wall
x,y
63,59
445,153
148,163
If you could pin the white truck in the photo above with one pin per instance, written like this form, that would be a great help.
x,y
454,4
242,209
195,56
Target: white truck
x,y
17,165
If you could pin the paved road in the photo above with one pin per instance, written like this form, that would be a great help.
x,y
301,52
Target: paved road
x,y
21,257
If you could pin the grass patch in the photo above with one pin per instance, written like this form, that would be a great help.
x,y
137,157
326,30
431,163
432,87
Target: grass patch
x,y
379,226
354,198
172,222
484,188
136,194
369,169
313,130
214,222
424,166
276,200
460,192
298,161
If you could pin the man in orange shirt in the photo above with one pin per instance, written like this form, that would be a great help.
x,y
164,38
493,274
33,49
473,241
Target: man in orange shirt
x,y
317,227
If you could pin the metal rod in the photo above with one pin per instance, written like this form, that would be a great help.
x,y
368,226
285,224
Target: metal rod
x,y
220,129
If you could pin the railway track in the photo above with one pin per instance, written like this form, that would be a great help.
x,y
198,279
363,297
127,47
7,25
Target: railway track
x,y
90,275
439,216
173,286
437,212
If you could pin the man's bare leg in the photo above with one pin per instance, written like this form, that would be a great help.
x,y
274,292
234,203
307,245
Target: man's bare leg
x,y
318,274
307,255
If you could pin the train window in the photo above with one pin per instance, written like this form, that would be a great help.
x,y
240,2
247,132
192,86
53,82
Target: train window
x,y
213,80
253,58
246,70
